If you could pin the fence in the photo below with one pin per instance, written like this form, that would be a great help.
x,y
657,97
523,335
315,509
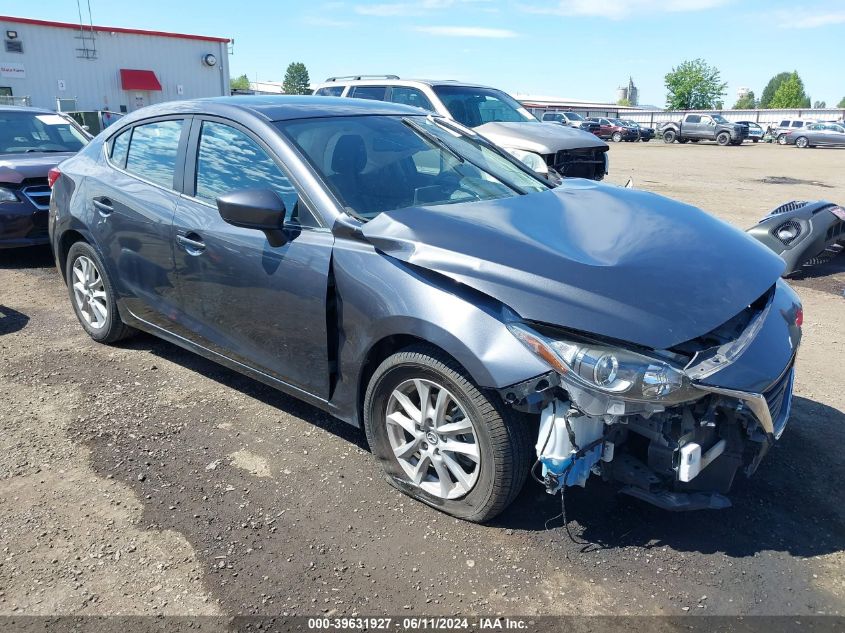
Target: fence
x,y
654,118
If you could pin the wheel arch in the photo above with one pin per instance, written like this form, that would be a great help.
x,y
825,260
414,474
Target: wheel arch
x,y
66,240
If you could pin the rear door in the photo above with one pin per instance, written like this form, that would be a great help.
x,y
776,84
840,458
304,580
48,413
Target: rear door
x,y
692,127
133,205
263,306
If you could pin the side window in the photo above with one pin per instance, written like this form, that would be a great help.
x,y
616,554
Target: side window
x,y
329,91
411,97
119,148
798,124
693,118
368,92
784,123
229,160
152,152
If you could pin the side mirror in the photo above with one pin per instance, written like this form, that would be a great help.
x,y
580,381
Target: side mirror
x,y
260,209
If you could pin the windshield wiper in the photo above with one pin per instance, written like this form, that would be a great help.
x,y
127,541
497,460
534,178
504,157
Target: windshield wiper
x,y
432,138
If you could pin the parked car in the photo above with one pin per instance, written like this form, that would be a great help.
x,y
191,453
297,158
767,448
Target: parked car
x,y
817,135
570,119
547,148
614,130
94,121
645,133
785,126
406,275
704,127
755,131
32,142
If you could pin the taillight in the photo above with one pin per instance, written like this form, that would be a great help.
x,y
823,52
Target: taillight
x,y
53,176
799,317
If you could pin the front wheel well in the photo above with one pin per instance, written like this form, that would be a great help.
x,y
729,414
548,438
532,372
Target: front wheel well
x,y
68,239
385,348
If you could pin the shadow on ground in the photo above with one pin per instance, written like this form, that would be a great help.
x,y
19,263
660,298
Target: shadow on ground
x,y
31,257
11,320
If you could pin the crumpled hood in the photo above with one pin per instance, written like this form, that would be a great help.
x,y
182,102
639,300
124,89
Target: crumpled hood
x,y
542,138
615,262
15,168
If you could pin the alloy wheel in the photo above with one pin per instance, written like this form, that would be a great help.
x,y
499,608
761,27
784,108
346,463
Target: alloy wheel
x,y
782,139
802,142
89,292
433,439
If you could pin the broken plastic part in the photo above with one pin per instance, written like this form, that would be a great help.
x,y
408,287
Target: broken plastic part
x,y
693,462
564,432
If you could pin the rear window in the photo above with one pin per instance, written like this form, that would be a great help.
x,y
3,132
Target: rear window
x,y
410,96
330,91
376,93
152,151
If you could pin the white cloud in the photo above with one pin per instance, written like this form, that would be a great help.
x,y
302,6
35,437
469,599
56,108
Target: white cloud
x,y
467,31
390,9
618,9
809,20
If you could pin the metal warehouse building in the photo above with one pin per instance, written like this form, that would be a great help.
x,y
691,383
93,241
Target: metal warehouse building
x,y
67,66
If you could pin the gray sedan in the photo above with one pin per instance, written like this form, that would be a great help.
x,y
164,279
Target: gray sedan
x,y
817,135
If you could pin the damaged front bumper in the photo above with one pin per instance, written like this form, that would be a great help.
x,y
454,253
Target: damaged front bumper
x,y
682,456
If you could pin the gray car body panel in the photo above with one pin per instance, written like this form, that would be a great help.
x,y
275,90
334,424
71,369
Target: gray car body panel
x,y
615,262
541,138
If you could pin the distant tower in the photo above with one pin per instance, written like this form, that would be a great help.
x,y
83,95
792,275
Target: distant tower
x,y
629,93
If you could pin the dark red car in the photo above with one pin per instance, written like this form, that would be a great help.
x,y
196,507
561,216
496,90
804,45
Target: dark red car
x,y
614,130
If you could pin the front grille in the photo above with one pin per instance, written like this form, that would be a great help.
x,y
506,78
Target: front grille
x,y
779,399
39,195
789,206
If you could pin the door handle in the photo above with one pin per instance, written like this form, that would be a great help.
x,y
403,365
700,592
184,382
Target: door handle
x,y
103,205
193,246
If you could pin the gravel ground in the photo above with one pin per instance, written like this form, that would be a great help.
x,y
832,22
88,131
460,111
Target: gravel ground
x,y
141,479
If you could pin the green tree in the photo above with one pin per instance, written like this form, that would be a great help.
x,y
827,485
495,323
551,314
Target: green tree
x,y
790,94
746,101
820,104
296,80
623,102
694,85
771,88
841,104
239,83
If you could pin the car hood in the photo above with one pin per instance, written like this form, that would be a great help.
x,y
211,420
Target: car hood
x,y
539,137
602,259
15,168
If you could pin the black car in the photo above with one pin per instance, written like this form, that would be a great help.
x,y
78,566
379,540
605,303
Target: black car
x,y
646,133
398,270
32,142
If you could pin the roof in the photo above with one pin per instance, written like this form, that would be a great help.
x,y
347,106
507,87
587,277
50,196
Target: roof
x,y
109,29
275,107
394,81
11,108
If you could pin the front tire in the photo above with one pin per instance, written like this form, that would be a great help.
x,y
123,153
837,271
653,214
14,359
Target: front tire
x,y
92,295
616,137
723,138
440,439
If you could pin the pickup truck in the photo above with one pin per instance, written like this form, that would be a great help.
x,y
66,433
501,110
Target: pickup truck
x,y
704,127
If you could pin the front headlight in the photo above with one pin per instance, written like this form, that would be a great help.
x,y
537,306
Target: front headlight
x,y
531,160
619,373
7,195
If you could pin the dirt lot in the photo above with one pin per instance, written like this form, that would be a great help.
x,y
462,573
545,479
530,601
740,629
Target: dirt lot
x,y
141,479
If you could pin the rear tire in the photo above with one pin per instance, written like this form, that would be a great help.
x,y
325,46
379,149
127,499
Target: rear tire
x,y
723,138
92,295
782,139
755,140
802,142
500,439
669,136
645,140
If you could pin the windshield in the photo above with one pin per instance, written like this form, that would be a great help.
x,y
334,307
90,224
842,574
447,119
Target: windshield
x,y
630,123
22,132
718,118
374,164
574,116
476,106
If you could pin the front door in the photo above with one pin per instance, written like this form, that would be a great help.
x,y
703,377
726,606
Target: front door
x,y
263,306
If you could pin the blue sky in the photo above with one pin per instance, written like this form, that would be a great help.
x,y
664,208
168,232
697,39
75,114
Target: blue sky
x,y
581,49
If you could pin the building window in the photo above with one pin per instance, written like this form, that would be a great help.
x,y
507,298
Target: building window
x,y
14,46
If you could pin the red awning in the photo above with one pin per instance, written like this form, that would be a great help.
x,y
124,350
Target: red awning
x,y
138,80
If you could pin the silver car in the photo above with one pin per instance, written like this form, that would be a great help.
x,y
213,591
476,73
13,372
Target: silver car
x,y
817,135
